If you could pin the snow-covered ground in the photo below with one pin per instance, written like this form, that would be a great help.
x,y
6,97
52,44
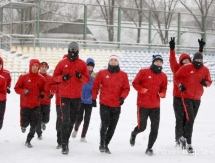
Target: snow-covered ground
x,y
13,150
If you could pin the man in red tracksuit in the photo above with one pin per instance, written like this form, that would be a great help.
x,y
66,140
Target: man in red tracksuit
x,y
45,103
151,85
71,72
191,78
113,85
30,86
58,112
177,101
7,79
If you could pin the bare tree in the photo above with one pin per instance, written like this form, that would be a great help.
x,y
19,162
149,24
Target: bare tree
x,y
108,14
163,17
203,8
136,16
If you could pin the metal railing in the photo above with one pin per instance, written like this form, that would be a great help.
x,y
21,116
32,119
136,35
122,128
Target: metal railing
x,y
5,41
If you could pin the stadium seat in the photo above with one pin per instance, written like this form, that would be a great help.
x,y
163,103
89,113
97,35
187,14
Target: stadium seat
x,y
13,49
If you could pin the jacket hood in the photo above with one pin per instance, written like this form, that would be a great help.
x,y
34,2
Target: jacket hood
x,y
183,56
32,61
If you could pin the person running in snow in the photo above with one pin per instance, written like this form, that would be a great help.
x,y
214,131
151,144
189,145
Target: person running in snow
x,y
177,103
3,92
151,85
30,86
45,103
7,79
71,72
86,103
58,112
114,87
191,78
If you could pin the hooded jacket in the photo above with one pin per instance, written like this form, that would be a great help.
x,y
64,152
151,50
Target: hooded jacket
x,y
191,77
35,83
174,65
87,88
6,74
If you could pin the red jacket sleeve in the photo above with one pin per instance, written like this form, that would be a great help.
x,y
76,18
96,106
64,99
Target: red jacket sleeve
x,y
174,65
85,74
164,86
53,86
57,75
96,86
125,88
137,81
19,86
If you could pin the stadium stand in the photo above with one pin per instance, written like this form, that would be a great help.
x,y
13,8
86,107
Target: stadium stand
x,y
17,59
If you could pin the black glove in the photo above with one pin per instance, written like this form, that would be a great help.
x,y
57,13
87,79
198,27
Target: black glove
x,y
94,103
26,92
201,45
172,43
78,75
41,96
51,96
66,77
121,101
8,90
181,87
203,82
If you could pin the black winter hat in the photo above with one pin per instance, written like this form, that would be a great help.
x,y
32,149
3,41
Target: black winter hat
x,y
91,64
197,55
157,57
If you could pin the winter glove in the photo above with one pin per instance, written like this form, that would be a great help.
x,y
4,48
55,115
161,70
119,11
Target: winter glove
x,y
162,95
172,43
66,77
26,92
143,90
8,90
121,101
201,45
41,96
203,82
94,103
181,87
78,75
51,96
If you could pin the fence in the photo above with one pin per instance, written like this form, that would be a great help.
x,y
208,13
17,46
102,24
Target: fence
x,y
86,23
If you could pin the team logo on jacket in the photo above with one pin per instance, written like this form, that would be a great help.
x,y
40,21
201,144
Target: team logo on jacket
x,y
107,76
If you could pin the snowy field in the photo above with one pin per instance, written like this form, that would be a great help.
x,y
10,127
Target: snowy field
x,y
13,150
